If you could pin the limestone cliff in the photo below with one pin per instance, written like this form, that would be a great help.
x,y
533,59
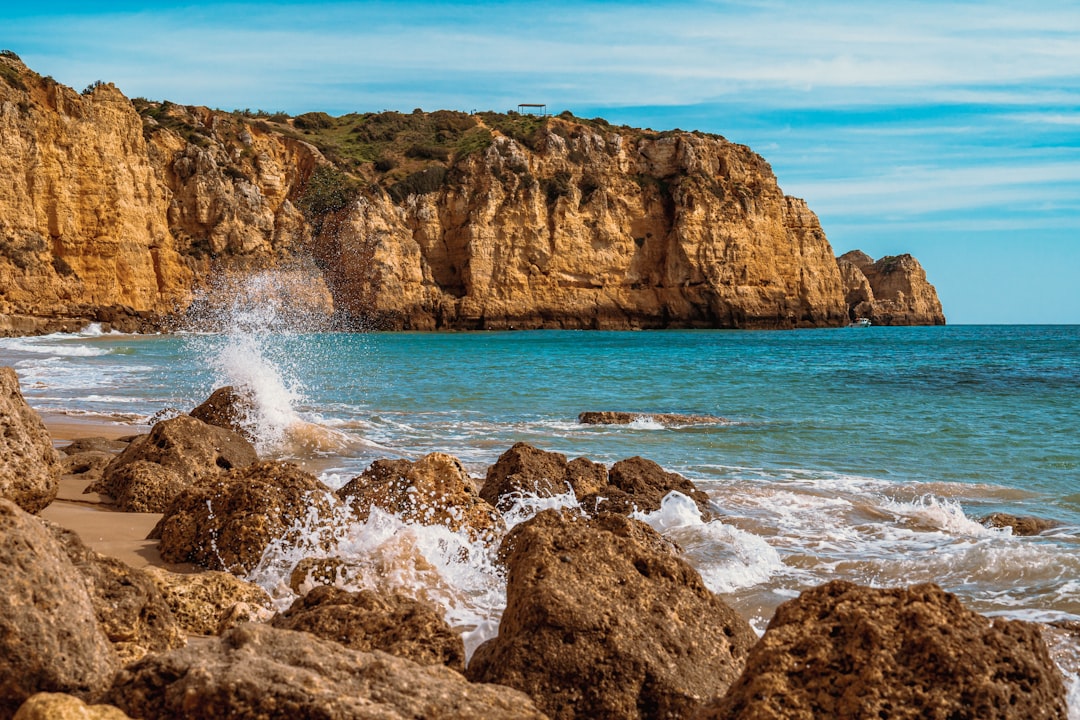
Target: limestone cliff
x,y
892,291
118,211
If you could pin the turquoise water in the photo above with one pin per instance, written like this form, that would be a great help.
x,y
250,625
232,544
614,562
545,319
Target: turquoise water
x,y
865,454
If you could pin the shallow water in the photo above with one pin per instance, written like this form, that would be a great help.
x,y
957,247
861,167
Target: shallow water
x,y
861,454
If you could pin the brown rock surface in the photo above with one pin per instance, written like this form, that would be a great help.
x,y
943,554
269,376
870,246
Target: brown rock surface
x,y
434,490
50,639
60,706
256,671
227,522
892,291
601,623
225,408
29,467
639,484
367,621
526,469
203,602
130,609
1022,525
154,468
612,417
841,650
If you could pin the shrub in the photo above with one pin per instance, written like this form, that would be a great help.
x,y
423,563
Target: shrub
x,y
327,190
314,121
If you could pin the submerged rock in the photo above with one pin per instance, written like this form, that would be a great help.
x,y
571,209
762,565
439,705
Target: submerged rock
x,y
29,467
526,469
434,490
368,621
841,650
611,417
227,522
602,621
155,468
50,638
257,671
1022,525
639,484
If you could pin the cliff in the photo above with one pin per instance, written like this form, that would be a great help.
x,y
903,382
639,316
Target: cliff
x,y
120,211
891,291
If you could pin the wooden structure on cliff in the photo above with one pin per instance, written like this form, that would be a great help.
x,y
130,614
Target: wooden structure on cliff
x,y
533,109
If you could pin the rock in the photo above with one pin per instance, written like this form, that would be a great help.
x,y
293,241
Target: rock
x,y
256,671
1022,525
841,650
156,467
227,522
892,291
29,467
601,623
95,444
90,465
60,706
225,408
367,621
609,417
204,602
434,490
129,606
50,639
639,484
525,469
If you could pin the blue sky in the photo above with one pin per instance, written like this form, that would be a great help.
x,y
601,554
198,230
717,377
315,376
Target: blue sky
x,y
950,130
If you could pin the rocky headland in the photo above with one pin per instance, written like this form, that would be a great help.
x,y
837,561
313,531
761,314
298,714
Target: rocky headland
x,y
122,211
604,617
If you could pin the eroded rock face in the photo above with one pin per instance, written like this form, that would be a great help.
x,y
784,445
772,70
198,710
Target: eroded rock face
x,y
155,468
526,469
29,467
227,522
60,706
892,291
367,621
206,603
50,639
602,622
434,490
638,484
257,671
841,650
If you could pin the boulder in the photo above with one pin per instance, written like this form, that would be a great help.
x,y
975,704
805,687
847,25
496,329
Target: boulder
x,y
61,706
603,621
526,469
90,465
208,602
155,468
257,671
366,620
29,467
842,650
638,484
226,408
613,417
434,490
227,522
129,606
1022,525
96,444
50,639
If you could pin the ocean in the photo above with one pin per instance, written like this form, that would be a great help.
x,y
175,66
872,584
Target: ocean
x,y
865,454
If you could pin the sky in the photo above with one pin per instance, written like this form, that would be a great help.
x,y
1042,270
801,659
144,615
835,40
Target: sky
x,y
948,130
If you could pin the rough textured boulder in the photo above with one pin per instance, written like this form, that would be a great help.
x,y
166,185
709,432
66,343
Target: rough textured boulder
x,y
526,469
96,444
90,465
208,602
892,291
434,490
60,706
129,606
612,417
601,623
841,650
1023,525
227,522
29,467
257,671
154,468
225,408
50,639
367,621
639,484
